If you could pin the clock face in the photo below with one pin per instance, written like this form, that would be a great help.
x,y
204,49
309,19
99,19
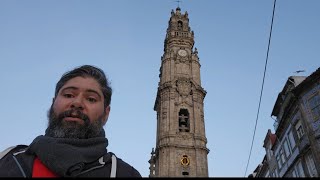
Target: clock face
x,y
182,52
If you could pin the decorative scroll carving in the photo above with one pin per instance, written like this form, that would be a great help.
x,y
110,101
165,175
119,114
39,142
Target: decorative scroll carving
x,y
183,60
184,87
164,115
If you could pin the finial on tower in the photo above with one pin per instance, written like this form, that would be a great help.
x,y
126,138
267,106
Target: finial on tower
x,y
178,8
178,3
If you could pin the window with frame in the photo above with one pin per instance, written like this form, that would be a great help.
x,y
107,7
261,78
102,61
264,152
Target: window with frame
x,y
314,103
269,154
184,124
299,169
282,156
269,151
276,173
311,166
294,173
292,141
286,148
279,162
299,129
180,25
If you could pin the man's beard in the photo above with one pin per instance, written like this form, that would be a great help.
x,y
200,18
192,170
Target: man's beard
x,y
58,128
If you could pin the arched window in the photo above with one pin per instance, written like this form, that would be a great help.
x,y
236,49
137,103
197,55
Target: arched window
x,y
184,124
180,25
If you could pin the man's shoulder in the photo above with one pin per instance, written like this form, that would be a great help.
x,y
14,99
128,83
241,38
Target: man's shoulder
x,y
124,168
120,162
14,162
12,149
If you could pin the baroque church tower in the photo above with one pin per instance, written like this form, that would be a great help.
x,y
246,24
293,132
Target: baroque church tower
x,y
180,140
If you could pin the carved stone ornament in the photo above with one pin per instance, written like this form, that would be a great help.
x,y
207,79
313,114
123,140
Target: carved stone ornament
x,y
184,87
185,161
182,59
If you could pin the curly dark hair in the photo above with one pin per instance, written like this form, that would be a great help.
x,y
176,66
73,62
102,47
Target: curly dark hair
x,y
88,71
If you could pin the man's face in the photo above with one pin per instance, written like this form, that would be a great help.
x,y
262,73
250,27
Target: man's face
x,y
78,110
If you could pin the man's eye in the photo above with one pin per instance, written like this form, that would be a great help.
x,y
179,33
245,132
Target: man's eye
x,y
92,100
68,95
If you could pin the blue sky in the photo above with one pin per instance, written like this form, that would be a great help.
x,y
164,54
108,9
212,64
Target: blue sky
x,y
40,40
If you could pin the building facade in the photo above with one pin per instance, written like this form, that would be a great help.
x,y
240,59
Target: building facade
x,y
180,138
294,149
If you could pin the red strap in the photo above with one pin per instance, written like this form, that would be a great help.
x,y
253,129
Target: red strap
x,y
40,170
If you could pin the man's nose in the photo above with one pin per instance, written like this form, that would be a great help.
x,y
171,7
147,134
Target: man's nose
x,y
77,103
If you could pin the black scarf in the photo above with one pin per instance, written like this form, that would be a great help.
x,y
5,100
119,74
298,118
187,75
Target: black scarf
x,y
65,156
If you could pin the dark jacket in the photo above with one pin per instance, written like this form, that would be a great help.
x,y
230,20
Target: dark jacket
x,y
18,163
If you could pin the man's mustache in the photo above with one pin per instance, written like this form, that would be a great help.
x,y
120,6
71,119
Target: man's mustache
x,y
75,113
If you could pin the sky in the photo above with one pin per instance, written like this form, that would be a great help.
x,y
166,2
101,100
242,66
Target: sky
x,y
40,40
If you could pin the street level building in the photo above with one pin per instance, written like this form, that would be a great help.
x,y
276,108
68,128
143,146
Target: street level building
x,y
294,149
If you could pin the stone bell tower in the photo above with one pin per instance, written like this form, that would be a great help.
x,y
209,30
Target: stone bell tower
x,y
180,140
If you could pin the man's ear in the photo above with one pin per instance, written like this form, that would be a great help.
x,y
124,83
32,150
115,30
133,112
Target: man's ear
x,y
106,116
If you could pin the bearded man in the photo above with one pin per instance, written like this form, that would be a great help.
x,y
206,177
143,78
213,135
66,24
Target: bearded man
x,y
74,144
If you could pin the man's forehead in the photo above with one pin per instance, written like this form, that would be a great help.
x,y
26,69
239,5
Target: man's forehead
x,y
82,83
